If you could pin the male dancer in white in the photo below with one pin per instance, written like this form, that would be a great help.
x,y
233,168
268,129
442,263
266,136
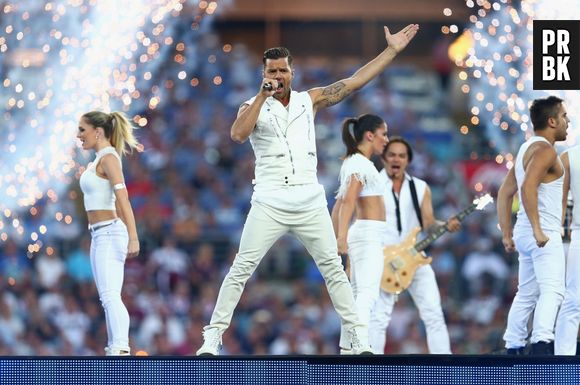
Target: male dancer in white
x,y
361,191
287,196
538,178
568,320
401,219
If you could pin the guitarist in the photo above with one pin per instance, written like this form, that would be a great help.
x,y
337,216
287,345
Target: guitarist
x,y
408,205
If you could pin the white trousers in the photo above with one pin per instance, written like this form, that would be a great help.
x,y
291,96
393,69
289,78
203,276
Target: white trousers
x,y
569,316
425,294
264,225
365,252
541,281
108,254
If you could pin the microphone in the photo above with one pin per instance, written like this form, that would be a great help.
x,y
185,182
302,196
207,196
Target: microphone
x,y
267,87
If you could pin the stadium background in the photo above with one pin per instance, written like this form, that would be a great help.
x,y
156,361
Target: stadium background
x,y
180,69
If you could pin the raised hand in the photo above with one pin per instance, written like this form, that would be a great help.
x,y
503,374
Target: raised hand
x,y
268,86
399,41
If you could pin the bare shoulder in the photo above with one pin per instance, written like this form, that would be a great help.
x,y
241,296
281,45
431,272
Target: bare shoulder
x,y
540,152
110,157
540,145
109,161
545,163
546,151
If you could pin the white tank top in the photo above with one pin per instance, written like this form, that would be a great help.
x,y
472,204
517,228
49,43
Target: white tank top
x,y
549,195
574,157
98,192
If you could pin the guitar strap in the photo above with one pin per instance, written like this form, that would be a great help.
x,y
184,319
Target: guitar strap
x,y
397,211
415,201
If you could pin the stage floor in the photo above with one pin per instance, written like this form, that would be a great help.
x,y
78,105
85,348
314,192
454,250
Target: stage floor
x,y
292,370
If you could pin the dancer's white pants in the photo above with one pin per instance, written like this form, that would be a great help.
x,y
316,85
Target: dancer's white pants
x,y
541,280
264,225
365,252
108,254
425,293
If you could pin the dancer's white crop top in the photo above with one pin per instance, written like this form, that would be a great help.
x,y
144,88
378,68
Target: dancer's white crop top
x,y
364,171
98,192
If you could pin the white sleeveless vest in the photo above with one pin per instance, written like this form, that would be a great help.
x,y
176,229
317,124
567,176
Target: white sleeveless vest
x,y
284,142
549,195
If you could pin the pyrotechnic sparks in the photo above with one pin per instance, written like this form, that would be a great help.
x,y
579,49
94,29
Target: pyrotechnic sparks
x,y
498,69
62,58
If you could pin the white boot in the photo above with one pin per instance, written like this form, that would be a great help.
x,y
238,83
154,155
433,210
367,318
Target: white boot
x,y
116,351
359,339
212,342
345,343
346,352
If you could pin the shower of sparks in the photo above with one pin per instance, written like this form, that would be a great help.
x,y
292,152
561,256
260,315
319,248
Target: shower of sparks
x,y
497,71
59,59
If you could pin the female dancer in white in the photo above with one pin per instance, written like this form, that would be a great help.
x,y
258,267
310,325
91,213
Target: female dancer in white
x,y
110,216
361,189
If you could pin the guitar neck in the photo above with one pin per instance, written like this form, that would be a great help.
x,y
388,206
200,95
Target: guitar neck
x,y
442,229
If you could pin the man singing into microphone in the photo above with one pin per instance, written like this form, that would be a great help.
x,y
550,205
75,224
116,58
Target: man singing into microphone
x,y
287,196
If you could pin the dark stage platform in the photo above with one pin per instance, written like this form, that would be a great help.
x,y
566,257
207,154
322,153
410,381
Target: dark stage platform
x,y
292,370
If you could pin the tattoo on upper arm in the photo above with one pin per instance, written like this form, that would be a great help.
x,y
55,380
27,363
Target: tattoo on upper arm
x,y
334,94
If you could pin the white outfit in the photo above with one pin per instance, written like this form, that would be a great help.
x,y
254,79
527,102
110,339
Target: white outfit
x,y
364,239
97,192
358,166
287,198
423,289
541,273
109,240
569,316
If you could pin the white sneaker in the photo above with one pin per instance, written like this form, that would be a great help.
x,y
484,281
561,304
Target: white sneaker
x,y
360,341
117,351
212,342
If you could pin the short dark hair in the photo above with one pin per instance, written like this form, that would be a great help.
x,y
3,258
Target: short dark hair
x,y
543,109
277,53
399,139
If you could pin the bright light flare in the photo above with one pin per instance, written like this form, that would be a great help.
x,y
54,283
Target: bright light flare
x,y
61,59
499,72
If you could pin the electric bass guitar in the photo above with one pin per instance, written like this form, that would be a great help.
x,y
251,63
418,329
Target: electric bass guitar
x,y
403,260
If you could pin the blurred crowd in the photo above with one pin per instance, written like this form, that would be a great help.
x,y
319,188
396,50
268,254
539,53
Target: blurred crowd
x,y
191,190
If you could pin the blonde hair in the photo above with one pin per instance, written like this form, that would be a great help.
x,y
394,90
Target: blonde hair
x,y
118,129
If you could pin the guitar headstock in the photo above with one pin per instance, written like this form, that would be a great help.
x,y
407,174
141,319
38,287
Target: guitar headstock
x,y
482,201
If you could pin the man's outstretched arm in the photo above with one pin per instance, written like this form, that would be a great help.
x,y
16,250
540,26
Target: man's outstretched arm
x,y
338,91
